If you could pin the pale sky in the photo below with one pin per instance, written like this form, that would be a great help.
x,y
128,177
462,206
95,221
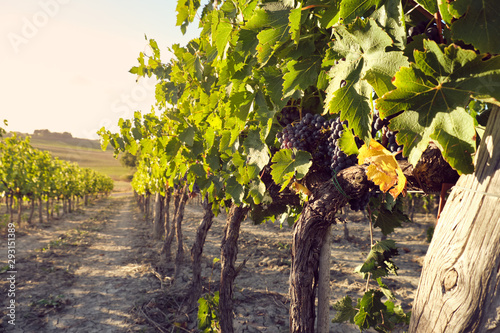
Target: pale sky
x,y
65,63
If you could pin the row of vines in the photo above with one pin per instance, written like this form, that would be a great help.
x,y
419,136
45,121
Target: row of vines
x,y
291,110
36,177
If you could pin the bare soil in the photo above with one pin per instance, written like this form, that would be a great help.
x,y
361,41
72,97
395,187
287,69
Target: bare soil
x,y
97,270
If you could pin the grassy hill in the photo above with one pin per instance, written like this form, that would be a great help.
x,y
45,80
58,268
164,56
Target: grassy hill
x,y
87,153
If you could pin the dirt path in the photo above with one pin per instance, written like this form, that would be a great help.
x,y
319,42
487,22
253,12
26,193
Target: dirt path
x,y
88,278
105,284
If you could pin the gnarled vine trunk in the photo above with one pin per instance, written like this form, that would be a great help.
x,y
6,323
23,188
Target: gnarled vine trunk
x,y
318,214
32,210
197,249
166,251
229,252
459,288
147,204
11,209
19,209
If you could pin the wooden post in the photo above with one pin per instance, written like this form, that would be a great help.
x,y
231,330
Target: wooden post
x,y
158,225
179,257
459,288
324,283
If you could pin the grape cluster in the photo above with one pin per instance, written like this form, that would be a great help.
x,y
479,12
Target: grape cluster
x,y
378,123
389,137
422,28
319,136
361,203
304,134
392,145
338,159
288,115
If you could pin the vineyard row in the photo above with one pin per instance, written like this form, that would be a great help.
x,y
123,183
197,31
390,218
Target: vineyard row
x,y
34,176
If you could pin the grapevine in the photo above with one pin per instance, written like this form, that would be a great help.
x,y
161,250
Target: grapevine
x,y
228,113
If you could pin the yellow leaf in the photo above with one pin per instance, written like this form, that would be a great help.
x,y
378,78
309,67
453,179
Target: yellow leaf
x,y
400,187
383,170
299,188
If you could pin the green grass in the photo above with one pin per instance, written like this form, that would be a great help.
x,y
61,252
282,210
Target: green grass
x,y
87,154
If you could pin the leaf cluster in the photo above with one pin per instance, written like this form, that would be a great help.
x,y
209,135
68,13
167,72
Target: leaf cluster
x,y
208,313
378,263
220,97
370,311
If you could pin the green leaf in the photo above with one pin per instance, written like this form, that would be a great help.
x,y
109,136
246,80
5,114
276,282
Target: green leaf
x,y
479,26
198,69
269,41
390,17
258,20
367,64
234,191
186,11
388,220
197,169
264,115
332,15
362,319
347,143
429,5
370,307
301,74
353,103
277,19
444,9
256,150
213,159
136,132
378,262
352,9
274,86
286,166
433,91
187,136
397,313
383,287
345,311
172,147
257,191
222,35
294,22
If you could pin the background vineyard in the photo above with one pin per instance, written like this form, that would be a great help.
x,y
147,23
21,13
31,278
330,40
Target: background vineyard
x,y
35,177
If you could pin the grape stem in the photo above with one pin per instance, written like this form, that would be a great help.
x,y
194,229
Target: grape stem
x,y
421,9
371,242
437,17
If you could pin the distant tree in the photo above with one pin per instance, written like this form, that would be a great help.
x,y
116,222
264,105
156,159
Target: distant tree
x,y
43,132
